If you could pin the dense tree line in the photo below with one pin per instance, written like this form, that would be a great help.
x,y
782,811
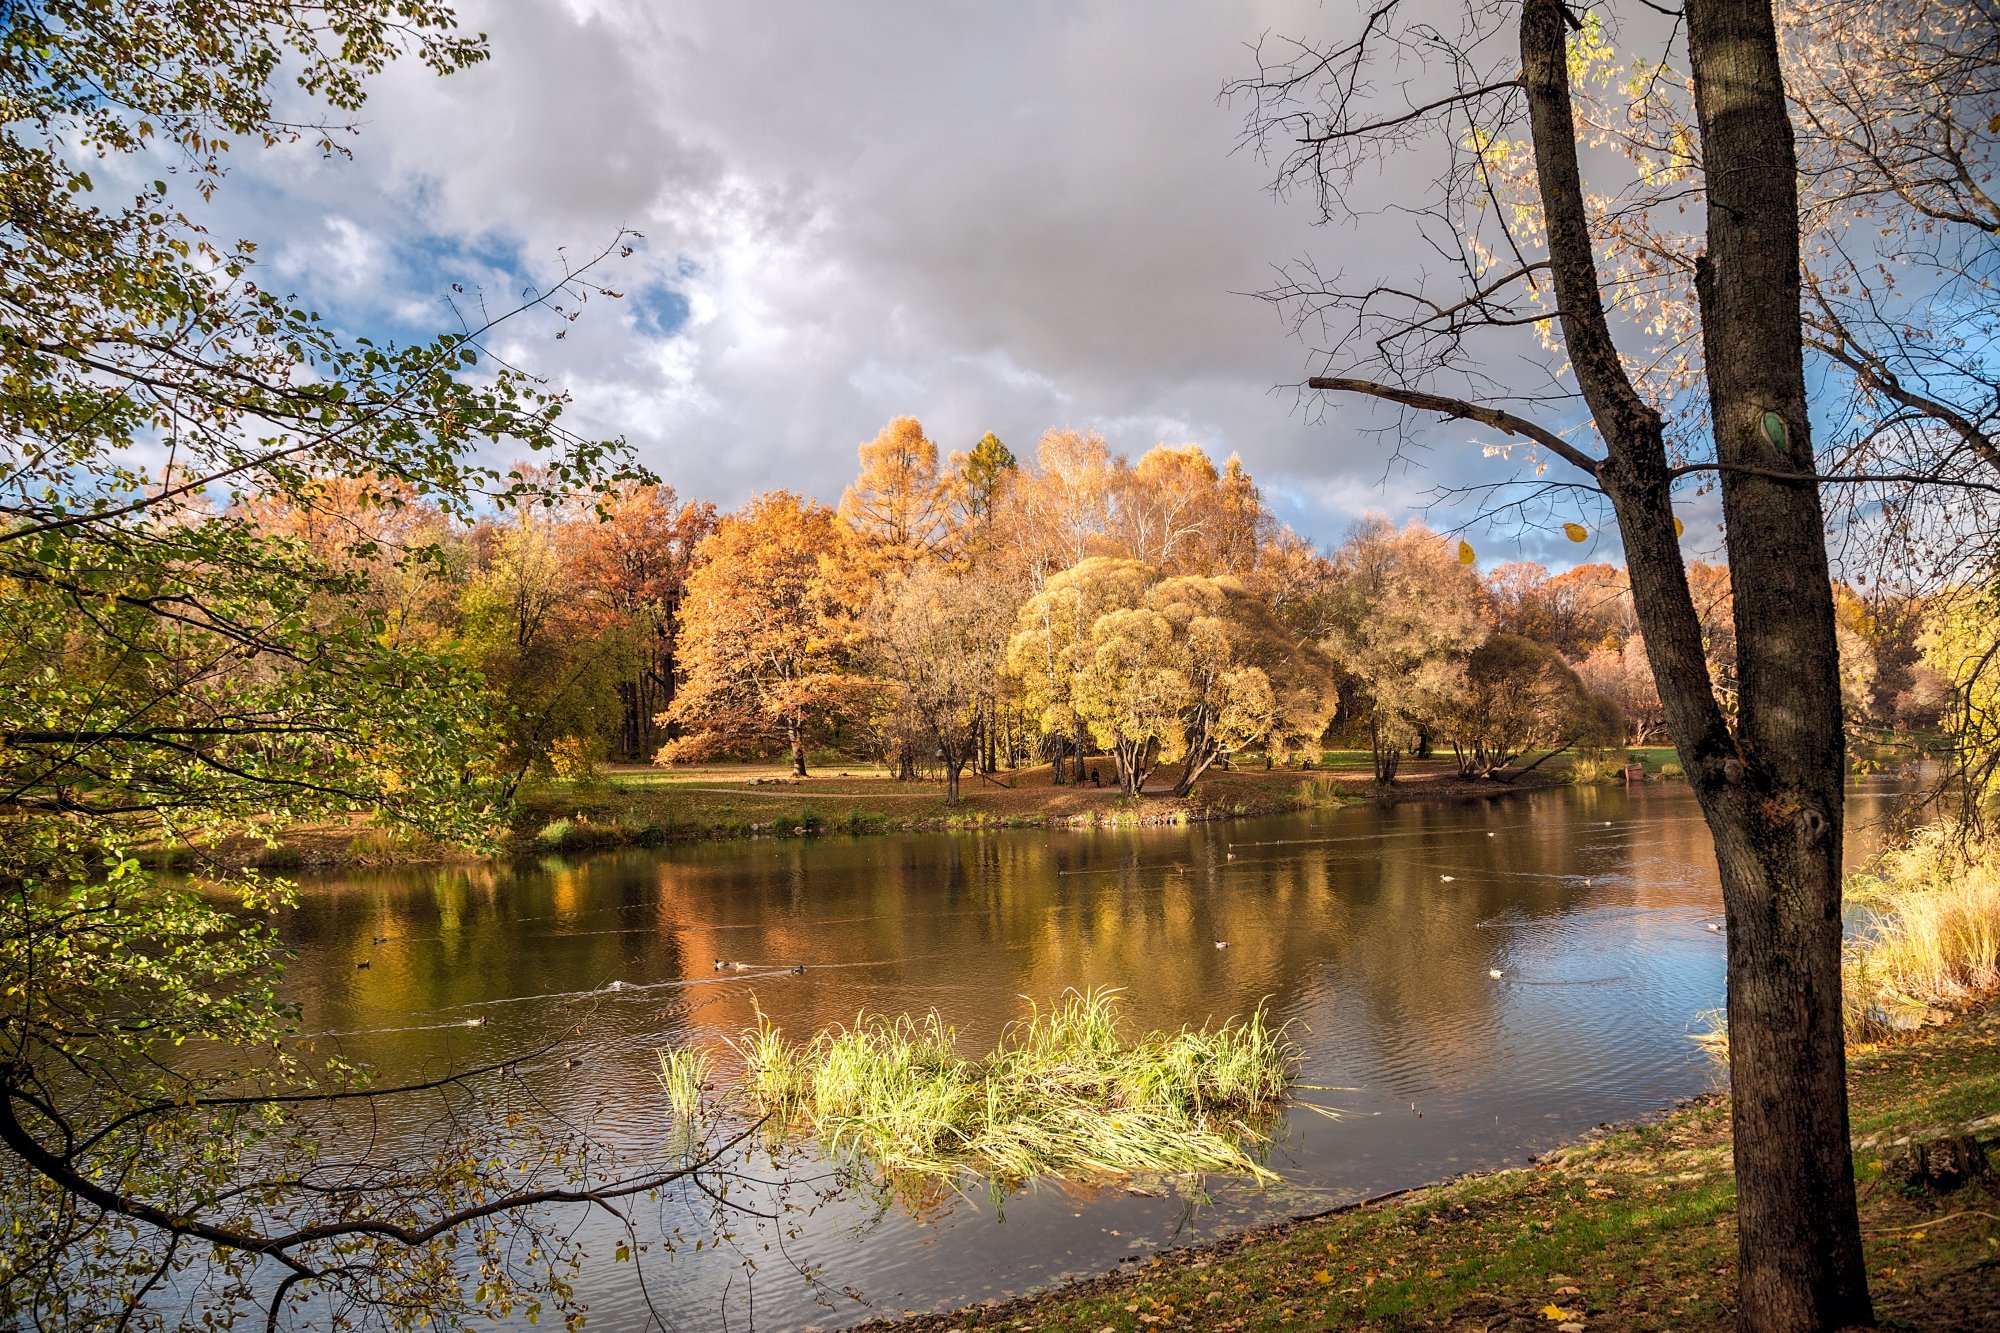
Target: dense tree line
x,y
976,612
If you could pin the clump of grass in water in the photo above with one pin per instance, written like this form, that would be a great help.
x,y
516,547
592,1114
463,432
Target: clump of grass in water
x,y
684,1074
1064,1093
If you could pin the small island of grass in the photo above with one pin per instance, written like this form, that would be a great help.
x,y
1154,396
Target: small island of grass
x,y
1067,1092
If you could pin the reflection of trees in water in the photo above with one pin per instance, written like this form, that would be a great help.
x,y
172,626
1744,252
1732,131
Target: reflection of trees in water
x,y
1345,919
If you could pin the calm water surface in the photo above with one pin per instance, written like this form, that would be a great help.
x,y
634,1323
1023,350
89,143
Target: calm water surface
x,y
1371,931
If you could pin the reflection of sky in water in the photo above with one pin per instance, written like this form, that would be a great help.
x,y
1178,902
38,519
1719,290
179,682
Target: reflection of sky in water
x,y
1373,932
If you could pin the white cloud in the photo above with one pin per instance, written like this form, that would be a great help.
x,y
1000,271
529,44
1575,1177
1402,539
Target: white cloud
x,y
992,217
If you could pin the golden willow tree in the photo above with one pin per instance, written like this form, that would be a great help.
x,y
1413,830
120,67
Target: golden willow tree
x,y
1673,290
178,669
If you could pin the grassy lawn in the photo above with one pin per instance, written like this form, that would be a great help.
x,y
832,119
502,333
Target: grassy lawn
x,y
737,800
1634,1230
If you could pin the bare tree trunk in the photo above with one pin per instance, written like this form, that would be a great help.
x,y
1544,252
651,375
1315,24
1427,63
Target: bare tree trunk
x,y
1772,792
1385,757
951,766
796,735
1192,773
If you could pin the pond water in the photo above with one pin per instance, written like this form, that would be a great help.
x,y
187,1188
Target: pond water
x,y
1372,931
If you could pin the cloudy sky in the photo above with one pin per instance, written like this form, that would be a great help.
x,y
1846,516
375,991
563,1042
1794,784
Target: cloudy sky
x,y
993,217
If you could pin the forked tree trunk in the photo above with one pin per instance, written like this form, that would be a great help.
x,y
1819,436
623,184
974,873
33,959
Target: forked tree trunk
x,y
1771,792
1385,757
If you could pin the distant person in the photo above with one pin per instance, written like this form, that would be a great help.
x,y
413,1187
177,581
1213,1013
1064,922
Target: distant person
x,y
1096,778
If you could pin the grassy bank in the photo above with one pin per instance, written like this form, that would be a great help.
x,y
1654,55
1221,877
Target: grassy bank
x,y
647,806
1930,934
1633,1230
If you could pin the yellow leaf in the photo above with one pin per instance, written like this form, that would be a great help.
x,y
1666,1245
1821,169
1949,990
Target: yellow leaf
x,y
1323,1277
1679,527
1555,1314
1465,553
1576,532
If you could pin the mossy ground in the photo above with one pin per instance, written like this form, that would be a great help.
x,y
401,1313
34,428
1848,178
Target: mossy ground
x,y
1633,1230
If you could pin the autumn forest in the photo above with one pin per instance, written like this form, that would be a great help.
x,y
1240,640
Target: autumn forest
x,y
975,611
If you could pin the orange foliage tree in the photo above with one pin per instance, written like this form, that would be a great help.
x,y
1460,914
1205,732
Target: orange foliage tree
x,y
633,556
769,634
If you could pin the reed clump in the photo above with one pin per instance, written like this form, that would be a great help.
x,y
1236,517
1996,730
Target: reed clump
x,y
1066,1093
1929,936
684,1074
1924,937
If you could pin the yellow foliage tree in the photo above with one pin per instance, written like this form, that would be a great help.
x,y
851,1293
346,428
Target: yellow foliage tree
x,y
898,504
1051,642
1130,691
1250,679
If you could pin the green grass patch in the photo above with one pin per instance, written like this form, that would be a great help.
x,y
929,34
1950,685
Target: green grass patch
x,y
1067,1092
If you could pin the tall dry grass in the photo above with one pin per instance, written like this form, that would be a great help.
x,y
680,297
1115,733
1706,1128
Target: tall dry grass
x,y
1929,934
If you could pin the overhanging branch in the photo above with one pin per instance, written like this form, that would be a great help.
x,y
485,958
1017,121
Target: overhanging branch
x,y
1456,409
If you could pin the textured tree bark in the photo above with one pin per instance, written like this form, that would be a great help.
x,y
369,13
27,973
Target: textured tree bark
x,y
1772,792
1801,1262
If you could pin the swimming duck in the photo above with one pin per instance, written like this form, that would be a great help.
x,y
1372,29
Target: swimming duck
x,y
1222,944
799,971
362,963
478,1022
1495,973
721,966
